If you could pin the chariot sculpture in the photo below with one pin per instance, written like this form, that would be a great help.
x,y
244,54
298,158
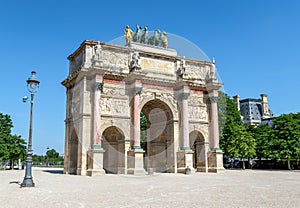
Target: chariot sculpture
x,y
159,38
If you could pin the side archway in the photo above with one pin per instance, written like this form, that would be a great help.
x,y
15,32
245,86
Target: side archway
x,y
73,153
114,146
197,144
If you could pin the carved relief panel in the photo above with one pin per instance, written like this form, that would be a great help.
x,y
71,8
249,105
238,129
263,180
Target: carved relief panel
x,y
196,72
113,106
197,108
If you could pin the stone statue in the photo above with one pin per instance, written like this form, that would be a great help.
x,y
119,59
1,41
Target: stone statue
x,y
144,38
97,57
164,39
134,64
128,32
181,69
138,34
213,69
155,39
97,52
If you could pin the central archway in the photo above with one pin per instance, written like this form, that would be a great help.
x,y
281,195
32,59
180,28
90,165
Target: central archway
x,y
159,142
114,146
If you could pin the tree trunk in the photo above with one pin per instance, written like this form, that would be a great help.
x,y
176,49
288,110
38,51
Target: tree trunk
x,y
243,164
12,164
289,164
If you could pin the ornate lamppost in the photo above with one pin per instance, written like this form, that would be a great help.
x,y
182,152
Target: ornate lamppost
x,y
32,85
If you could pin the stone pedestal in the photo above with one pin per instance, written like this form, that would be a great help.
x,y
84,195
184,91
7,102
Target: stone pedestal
x,y
96,162
135,162
215,161
184,161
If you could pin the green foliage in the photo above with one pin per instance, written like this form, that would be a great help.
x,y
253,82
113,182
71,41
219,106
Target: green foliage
x,y
12,147
37,159
262,135
285,143
51,158
5,133
235,140
143,128
51,154
16,148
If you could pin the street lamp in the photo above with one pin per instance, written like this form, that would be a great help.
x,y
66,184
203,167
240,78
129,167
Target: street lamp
x,y
32,85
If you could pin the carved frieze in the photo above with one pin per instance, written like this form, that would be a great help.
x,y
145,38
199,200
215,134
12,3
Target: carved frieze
x,y
198,113
196,100
114,91
196,72
113,60
169,97
114,106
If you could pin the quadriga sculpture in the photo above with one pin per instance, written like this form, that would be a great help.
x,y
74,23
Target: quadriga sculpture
x,y
155,40
144,38
138,34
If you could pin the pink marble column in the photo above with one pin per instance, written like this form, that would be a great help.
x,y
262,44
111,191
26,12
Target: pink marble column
x,y
97,114
214,120
185,121
136,118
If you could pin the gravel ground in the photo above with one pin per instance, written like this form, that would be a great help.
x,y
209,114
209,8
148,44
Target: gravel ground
x,y
233,188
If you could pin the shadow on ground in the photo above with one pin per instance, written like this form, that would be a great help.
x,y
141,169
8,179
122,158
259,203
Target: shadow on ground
x,y
54,171
15,182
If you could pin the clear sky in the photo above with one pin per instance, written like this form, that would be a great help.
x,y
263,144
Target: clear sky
x,y
256,45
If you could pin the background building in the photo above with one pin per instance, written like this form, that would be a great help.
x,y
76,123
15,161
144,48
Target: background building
x,y
254,111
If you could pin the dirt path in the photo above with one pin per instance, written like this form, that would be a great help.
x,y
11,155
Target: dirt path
x,y
233,188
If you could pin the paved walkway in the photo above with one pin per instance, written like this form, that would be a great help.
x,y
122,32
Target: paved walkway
x,y
233,188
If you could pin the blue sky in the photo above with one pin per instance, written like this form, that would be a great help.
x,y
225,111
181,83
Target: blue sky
x,y
255,44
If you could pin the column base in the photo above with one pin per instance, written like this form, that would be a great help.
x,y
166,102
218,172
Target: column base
x,y
215,161
95,162
135,164
201,169
185,161
27,182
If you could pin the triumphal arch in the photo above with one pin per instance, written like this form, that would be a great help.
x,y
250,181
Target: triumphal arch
x,y
110,88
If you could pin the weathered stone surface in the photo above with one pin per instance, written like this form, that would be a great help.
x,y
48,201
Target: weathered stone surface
x,y
176,95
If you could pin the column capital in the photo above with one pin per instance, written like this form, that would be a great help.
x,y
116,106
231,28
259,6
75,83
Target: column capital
x,y
99,86
214,99
137,90
185,95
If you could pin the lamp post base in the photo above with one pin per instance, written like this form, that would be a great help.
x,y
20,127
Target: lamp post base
x,y
27,182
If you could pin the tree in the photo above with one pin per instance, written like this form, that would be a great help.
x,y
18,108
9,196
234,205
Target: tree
x,y
12,147
16,147
235,140
285,143
5,132
262,135
52,155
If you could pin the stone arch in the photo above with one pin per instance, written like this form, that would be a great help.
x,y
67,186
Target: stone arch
x,y
73,152
197,144
123,126
114,146
202,129
173,106
159,152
